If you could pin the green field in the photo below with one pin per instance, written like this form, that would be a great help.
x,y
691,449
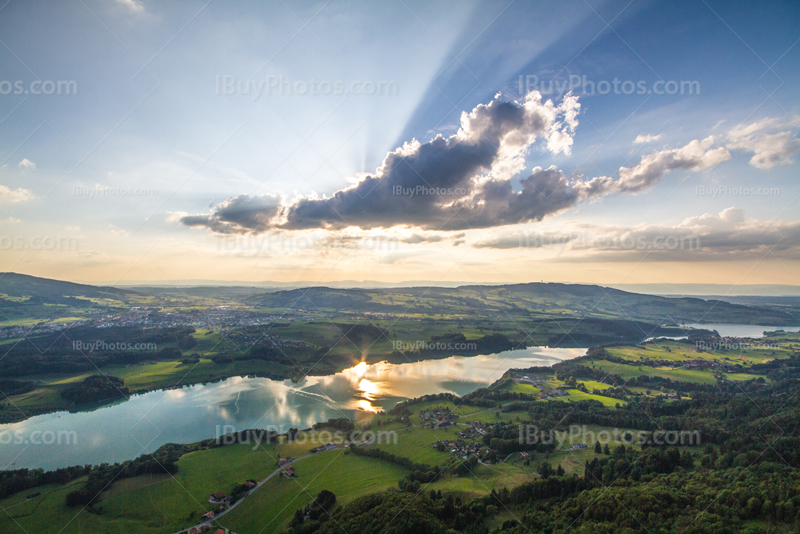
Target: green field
x,y
527,389
166,503
680,352
348,476
576,395
592,385
695,376
147,503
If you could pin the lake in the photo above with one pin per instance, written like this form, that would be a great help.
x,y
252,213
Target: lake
x,y
127,429
733,330
743,330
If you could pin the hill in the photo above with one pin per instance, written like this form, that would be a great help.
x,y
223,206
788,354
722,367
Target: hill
x,y
534,299
23,285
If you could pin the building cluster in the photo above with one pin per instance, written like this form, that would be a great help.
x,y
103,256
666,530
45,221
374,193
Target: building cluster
x,y
437,418
476,428
549,393
208,516
249,337
211,317
378,316
533,381
10,332
459,447
712,365
287,468
326,447
539,382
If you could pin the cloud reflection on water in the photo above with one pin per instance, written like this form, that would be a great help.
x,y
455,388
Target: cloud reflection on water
x,y
119,431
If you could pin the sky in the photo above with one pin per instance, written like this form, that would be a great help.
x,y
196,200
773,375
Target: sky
x,y
578,141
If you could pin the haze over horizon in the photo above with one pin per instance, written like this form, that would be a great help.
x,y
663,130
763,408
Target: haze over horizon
x,y
473,142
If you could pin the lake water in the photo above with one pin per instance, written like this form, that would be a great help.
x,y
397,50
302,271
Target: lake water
x,y
733,330
743,330
143,423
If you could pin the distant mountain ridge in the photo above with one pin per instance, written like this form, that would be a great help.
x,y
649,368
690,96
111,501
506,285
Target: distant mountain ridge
x,y
23,285
535,300
723,291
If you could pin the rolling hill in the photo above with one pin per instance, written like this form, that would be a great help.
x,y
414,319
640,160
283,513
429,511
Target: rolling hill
x,y
23,285
534,299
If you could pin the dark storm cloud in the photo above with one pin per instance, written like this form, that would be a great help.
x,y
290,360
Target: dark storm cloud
x,y
238,215
463,181
422,184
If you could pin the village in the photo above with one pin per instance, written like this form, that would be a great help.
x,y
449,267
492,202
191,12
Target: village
x,y
438,417
461,447
713,364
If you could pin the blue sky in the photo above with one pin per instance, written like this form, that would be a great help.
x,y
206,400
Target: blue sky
x,y
183,155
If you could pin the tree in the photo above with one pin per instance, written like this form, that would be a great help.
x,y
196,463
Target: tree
x,y
546,470
753,507
597,448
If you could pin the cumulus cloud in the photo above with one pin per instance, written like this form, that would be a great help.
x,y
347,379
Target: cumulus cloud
x,y
525,239
14,195
27,164
745,130
769,149
134,6
728,236
642,139
415,239
420,184
464,181
545,192
238,215
427,185
695,156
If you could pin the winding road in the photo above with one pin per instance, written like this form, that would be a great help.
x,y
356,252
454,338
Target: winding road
x,y
234,505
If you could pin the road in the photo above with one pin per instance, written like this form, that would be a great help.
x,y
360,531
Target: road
x,y
281,469
234,505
